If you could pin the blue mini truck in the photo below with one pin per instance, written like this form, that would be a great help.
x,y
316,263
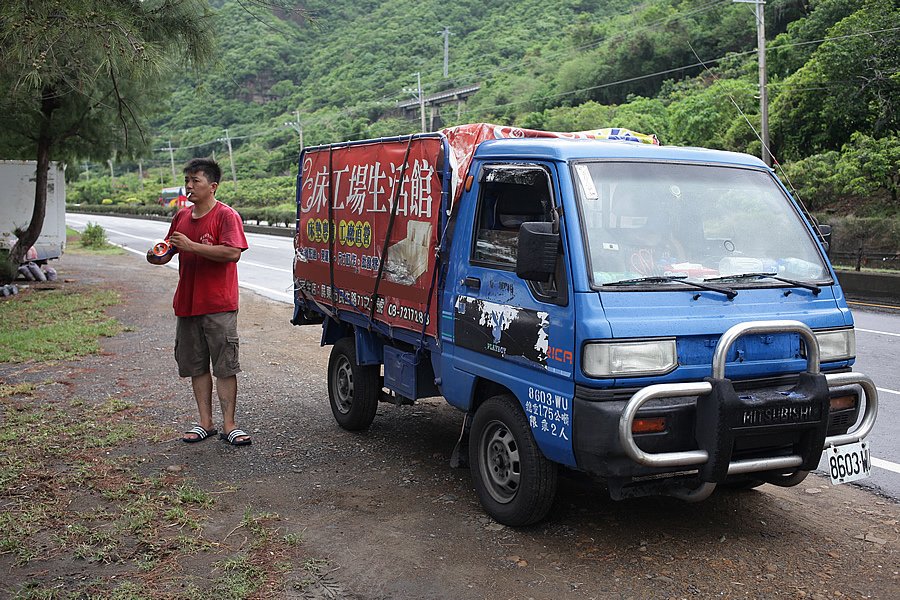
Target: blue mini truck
x,y
663,318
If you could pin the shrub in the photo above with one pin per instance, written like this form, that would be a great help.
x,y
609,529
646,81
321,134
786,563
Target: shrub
x,y
94,236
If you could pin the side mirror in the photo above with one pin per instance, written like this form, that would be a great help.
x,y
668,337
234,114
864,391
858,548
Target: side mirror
x,y
825,236
538,247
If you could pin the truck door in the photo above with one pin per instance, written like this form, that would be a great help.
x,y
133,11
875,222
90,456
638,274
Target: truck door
x,y
517,333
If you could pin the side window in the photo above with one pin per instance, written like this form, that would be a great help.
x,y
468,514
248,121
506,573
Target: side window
x,y
510,195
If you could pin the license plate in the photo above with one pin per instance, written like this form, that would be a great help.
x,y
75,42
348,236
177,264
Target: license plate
x,y
849,462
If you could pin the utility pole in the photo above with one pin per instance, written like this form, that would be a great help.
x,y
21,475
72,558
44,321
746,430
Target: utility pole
x,y
231,158
87,171
296,126
446,34
172,160
141,174
419,95
421,100
112,175
763,83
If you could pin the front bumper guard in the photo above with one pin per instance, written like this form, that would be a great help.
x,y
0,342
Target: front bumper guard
x,y
716,469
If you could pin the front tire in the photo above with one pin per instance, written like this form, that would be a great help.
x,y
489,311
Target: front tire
x,y
515,483
352,389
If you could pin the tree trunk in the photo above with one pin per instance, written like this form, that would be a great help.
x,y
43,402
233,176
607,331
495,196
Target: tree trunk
x,y
29,236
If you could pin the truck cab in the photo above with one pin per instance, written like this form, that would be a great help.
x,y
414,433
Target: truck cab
x,y
663,318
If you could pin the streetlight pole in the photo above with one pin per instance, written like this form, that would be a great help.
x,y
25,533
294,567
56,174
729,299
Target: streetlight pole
x,y
763,83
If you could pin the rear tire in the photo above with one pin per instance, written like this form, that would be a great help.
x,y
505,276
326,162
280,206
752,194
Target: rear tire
x,y
515,483
352,389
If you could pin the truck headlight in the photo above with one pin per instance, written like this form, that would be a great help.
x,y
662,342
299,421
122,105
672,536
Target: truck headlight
x,y
629,359
836,344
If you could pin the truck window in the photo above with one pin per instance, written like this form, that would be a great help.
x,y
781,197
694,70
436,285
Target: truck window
x,y
510,195
691,221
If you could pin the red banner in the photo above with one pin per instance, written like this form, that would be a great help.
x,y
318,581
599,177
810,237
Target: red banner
x,y
363,183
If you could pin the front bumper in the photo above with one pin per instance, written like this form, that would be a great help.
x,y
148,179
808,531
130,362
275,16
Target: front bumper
x,y
714,430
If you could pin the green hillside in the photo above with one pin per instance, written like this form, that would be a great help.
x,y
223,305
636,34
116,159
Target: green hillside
x,y
684,70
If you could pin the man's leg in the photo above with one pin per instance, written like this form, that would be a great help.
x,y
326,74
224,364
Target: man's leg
x,y
226,387
202,385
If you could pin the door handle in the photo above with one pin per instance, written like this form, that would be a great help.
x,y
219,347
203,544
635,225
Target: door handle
x,y
472,282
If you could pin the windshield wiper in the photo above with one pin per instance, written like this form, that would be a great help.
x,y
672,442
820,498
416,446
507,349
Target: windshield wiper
x,y
675,279
802,284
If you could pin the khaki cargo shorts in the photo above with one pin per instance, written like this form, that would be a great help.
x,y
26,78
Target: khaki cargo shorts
x,y
207,338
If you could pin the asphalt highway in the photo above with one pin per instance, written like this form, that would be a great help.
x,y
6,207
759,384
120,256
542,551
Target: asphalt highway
x,y
266,269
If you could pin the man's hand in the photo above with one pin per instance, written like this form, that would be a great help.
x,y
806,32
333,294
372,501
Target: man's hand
x,y
182,242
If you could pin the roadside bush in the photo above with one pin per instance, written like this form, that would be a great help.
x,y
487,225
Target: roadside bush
x,y
121,209
94,236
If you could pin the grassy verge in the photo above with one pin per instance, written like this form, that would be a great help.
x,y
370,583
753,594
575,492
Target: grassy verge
x,y
55,324
72,501
83,512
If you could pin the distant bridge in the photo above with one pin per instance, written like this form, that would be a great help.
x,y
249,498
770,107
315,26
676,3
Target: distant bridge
x,y
435,103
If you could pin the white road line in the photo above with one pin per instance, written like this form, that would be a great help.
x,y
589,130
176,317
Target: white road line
x,y
262,266
876,331
886,465
887,391
279,295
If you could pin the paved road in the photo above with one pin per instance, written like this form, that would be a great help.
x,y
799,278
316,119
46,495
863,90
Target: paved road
x,y
266,269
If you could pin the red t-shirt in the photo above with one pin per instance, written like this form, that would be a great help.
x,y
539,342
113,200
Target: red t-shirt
x,y
206,286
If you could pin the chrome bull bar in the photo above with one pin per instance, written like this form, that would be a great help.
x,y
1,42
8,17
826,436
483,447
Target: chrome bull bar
x,y
699,457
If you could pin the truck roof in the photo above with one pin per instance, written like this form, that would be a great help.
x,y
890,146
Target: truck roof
x,y
577,149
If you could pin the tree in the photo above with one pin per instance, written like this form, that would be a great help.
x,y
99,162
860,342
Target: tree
x,y
850,83
80,77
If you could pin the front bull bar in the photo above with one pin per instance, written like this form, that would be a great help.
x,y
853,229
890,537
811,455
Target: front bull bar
x,y
699,457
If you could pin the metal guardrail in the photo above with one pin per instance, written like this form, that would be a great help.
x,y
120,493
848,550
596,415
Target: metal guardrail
x,y
698,457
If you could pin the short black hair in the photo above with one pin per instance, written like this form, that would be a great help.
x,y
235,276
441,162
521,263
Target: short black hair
x,y
207,166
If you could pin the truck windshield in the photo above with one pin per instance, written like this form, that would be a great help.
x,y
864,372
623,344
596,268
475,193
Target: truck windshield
x,y
682,222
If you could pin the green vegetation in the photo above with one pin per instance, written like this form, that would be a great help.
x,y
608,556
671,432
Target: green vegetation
x,y
73,494
93,236
55,325
572,65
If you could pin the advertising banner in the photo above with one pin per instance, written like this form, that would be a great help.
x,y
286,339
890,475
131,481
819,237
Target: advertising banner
x,y
384,217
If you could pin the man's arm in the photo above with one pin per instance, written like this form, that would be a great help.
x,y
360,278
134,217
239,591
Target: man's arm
x,y
214,253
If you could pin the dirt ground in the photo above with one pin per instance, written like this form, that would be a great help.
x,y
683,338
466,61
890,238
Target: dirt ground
x,y
393,520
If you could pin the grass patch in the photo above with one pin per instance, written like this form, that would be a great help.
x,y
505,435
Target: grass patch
x,y
87,243
70,497
55,325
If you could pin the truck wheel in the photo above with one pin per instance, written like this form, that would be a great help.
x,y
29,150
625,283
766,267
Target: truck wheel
x,y
352,389
515,483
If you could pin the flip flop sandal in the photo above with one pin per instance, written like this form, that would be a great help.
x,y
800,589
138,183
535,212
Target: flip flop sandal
x,y
233,435
200,432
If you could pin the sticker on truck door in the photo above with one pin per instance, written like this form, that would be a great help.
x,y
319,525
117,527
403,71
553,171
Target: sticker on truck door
x,y
502,330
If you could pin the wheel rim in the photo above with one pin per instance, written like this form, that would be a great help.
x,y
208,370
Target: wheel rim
x,y
499,456
343,385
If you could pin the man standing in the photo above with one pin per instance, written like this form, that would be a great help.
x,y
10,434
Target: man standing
x,y
209,239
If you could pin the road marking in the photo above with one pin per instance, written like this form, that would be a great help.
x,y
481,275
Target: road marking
x,y
280,296
258,245
886,465
876,331
874,305
262,266
887,391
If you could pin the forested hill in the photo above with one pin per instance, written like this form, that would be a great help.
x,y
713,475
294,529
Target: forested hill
x,y
683,69
345,63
